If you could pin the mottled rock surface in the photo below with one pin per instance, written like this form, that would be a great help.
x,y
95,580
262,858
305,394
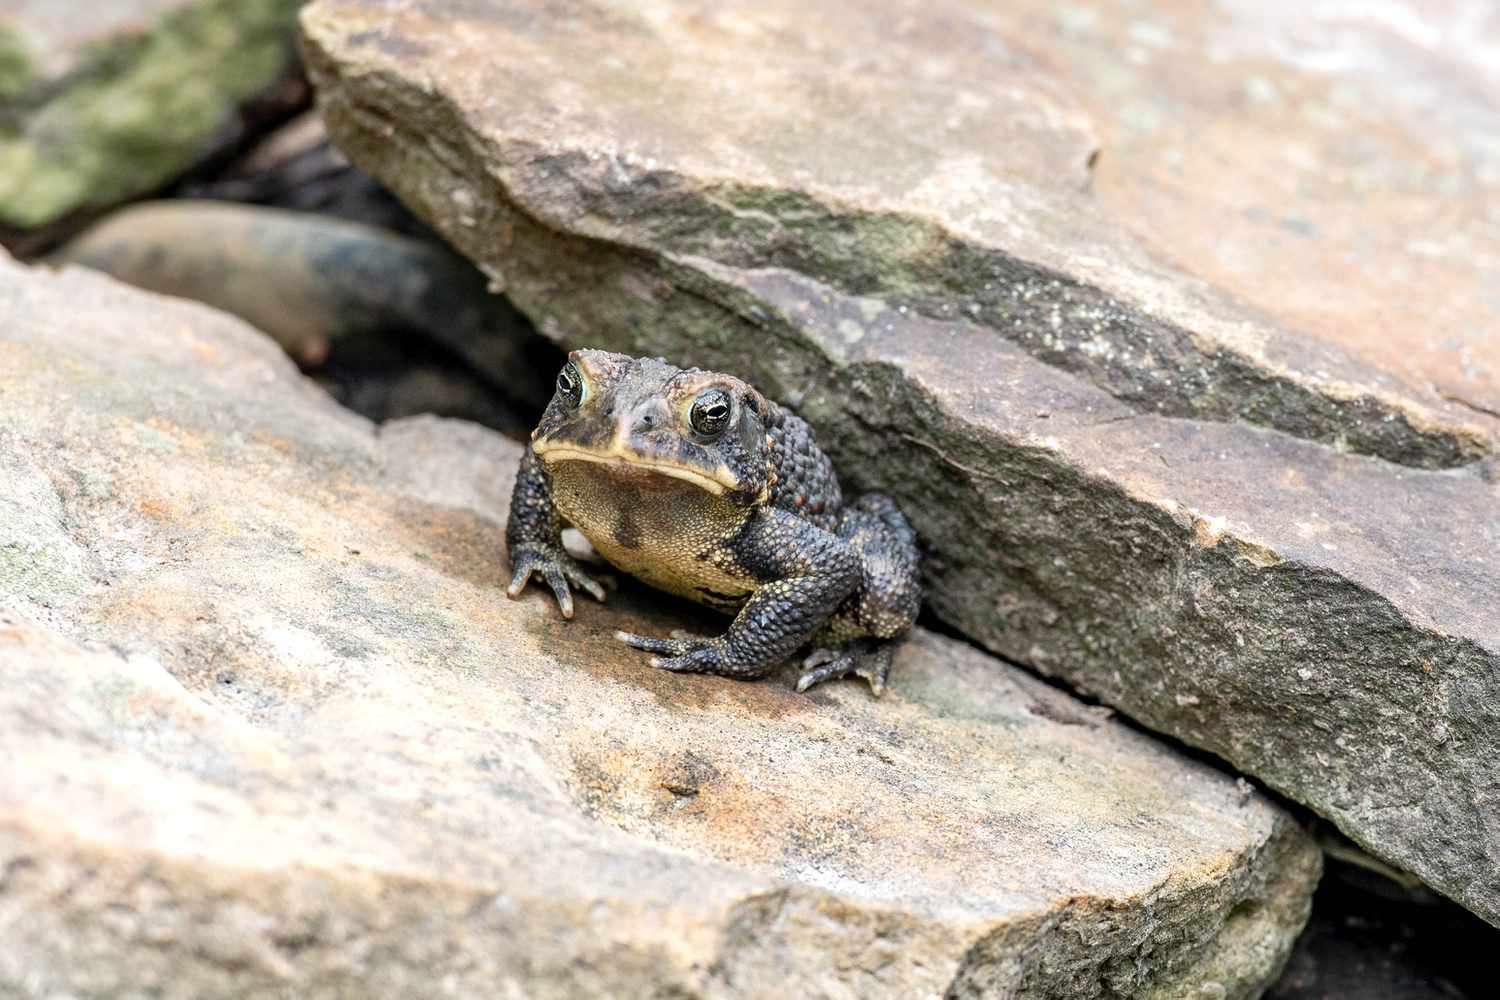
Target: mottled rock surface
x,y
1336,166
1161,481
104,101
274,728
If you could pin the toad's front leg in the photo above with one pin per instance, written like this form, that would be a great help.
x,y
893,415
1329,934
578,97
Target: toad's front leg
x,y
533,540
802,574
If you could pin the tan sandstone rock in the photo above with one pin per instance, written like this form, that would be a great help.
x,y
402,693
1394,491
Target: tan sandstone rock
x,y
1208,431
270,727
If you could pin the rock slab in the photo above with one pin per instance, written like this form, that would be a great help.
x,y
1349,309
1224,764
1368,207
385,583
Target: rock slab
x,y
1142,476
100,105
272,727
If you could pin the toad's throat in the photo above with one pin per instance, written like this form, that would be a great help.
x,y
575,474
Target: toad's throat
x,y
653,523
642,473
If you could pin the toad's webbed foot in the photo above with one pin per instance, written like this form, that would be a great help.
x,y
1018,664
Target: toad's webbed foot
x,y
868,658
558,569
683,653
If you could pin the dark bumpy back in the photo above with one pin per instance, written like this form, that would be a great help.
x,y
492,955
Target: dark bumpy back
x,y
805,483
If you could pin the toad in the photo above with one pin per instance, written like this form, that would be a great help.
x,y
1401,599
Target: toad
x,y
695,483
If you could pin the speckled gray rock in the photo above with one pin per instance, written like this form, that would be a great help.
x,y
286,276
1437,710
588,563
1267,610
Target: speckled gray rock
x,y
1278,546
283,734
104,101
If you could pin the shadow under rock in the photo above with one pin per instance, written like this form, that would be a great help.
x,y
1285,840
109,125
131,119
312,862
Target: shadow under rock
x,y
1368,939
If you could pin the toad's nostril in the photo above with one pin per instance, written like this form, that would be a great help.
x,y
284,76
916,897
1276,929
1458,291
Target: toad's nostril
x,y
646,418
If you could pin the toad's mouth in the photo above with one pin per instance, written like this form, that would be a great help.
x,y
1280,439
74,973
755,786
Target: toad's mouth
x,y
639,472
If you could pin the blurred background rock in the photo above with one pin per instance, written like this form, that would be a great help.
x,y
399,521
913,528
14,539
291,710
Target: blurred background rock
x,y
191,102
106,102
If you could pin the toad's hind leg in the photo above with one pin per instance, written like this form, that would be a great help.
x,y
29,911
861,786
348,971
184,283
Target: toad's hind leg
x,y
861,635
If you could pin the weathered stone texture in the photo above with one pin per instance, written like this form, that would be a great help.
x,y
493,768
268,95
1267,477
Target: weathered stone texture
x,y
1151,482
273,728
1336,166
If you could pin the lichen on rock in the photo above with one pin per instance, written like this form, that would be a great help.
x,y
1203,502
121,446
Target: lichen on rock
x,y
104,106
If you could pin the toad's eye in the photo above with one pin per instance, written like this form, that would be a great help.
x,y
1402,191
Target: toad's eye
x,y
710,412
570,384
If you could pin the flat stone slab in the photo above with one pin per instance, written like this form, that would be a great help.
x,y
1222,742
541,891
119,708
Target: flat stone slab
x,y
1334,166
283,732
803,139
1130,473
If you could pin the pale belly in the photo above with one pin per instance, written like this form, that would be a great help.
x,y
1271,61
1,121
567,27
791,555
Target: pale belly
x,y
660,530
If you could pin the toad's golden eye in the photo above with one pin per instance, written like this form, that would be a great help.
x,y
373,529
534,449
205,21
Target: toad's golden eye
x,y
570,384
710,412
